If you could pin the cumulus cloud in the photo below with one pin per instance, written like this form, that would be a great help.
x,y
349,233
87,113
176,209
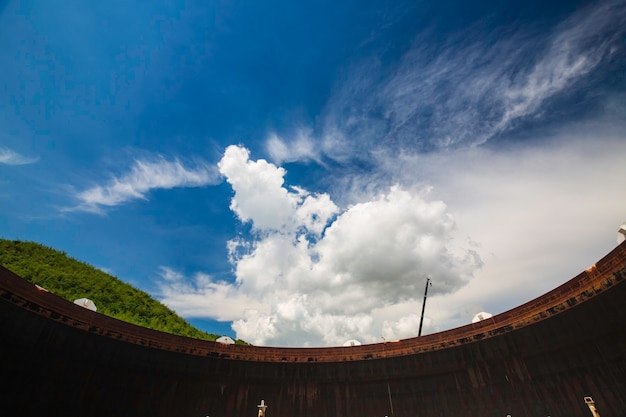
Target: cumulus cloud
x,y
320,276
144,176
261,198
525,220
9,157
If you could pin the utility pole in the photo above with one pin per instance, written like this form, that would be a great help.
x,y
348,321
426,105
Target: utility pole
x,y
424,306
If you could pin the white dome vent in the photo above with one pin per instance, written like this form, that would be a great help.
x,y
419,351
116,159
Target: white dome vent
x,y
87,303
481,316
225,340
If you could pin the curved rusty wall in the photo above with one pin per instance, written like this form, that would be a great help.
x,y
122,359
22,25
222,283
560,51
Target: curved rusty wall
x,y
538,359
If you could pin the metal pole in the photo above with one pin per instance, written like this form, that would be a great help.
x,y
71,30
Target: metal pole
x,y
592,406
390,402
424,306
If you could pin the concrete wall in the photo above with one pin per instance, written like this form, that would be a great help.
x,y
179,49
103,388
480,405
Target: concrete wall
x,y
539,359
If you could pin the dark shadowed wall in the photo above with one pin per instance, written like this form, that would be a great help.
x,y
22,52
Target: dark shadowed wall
x,y
539,359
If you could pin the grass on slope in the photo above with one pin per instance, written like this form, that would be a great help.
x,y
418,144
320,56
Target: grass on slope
x,y
72,279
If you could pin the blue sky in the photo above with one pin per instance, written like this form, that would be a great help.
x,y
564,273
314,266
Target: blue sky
x,y
290,174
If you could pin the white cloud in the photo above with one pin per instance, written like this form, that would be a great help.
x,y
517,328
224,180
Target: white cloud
x,y
303,147
318,285
259,195
144,176
573,52
541,213
202,296
9,157
467,91
526,219
390,242
261,198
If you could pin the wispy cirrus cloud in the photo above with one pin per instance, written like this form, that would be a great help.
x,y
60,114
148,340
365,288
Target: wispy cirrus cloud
x,y
144,176
477,91
203,296
303,147
9,157
470,89
578,46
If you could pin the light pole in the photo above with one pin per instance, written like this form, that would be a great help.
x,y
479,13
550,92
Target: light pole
x,y
419,333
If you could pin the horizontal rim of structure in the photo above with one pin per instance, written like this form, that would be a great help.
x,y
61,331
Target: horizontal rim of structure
x,y
602,276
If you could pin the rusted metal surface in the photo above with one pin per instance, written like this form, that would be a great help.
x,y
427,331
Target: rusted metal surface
x,y
541,358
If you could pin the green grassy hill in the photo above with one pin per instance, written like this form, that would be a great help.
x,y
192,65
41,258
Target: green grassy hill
x,y
72,279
